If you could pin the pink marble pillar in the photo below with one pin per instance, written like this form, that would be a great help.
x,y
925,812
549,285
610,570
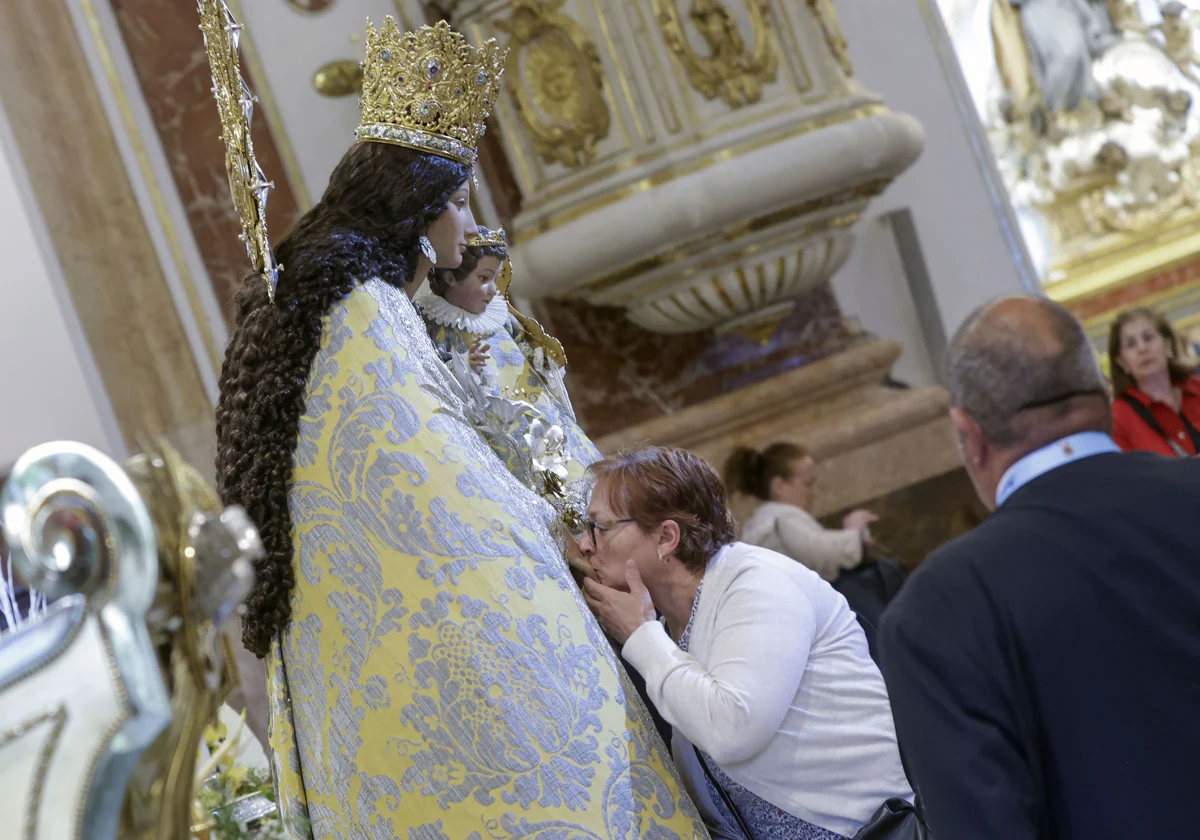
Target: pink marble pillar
x,y
167,49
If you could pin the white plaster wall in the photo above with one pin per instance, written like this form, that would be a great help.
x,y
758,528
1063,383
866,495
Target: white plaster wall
x,y
871,288
49,388
959,229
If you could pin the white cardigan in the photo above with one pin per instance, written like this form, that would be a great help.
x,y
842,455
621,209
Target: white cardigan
x,y
794,532
779,689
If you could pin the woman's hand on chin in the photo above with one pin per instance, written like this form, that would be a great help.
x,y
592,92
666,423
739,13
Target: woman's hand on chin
x,y
620,613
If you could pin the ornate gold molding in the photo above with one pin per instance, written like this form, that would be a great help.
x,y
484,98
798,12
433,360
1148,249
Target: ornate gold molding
x,y
557,82
730,71
1102,217
831,29
750,291
1127,263
666,175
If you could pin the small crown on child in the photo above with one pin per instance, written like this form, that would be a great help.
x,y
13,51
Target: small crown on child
x,y
428,89
485,238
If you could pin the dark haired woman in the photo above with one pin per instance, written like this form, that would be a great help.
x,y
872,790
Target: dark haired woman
x,y
1156,405
433,671
782,722
466,310
781,477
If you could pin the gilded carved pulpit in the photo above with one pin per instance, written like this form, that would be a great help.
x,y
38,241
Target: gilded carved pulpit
x,y
681,179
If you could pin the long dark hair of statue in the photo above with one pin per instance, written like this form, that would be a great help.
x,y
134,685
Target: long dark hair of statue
x,y
379,201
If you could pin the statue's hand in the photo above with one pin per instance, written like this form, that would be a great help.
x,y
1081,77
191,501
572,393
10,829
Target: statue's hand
x,y
478,354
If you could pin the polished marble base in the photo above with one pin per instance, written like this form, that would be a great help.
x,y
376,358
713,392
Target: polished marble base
x,y
916,520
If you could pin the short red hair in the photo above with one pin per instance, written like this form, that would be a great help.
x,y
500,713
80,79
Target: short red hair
x,y
658,483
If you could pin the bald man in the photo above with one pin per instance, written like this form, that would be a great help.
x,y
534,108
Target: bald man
x,y
1044,669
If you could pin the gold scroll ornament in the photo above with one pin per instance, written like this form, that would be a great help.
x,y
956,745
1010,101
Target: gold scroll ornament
x,y
730,71
559,82
831,30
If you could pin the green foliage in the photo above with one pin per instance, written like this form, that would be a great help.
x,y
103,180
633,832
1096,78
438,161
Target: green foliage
x,y
229,785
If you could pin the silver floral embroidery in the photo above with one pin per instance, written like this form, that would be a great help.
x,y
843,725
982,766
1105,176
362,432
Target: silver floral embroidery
x,y
503,706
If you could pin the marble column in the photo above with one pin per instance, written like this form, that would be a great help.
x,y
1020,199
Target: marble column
x,y
70,148
99,236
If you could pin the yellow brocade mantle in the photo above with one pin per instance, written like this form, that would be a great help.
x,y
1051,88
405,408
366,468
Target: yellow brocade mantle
x,y
440,677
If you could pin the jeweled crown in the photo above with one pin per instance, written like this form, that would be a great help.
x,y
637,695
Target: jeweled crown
x,y
428,89
488,238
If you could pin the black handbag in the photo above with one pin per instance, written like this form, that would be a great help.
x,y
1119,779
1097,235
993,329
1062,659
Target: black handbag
x,y
896,819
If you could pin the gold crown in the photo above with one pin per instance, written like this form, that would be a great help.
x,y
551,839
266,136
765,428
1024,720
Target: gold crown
x,y
488,238
428,89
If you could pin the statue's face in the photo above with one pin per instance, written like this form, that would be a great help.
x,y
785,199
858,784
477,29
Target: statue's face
x,y
450,231
1178,102
475,291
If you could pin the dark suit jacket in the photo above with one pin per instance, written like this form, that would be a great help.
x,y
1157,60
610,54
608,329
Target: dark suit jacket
x,y
1044,669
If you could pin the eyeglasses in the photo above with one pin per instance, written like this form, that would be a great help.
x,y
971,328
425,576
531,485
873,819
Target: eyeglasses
x,y
590,525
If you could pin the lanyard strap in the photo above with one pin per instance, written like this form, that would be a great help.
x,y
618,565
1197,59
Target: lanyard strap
x,y
1143,411
1064,451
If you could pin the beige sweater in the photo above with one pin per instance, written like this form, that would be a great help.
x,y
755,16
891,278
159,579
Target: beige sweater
x,y
794,532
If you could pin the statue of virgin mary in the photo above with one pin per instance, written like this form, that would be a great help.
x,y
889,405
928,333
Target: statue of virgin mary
x,y
432,668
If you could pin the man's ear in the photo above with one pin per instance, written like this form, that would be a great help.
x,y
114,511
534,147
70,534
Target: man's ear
x,y
972,445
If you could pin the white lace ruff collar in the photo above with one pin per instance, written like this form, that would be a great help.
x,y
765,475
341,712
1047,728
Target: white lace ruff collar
x,y
441,311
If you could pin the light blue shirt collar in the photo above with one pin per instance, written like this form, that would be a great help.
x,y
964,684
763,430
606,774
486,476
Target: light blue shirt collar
x,y
1051,457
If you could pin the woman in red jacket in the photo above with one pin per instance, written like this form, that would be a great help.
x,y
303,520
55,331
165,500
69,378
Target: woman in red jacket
x,y
1157,400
